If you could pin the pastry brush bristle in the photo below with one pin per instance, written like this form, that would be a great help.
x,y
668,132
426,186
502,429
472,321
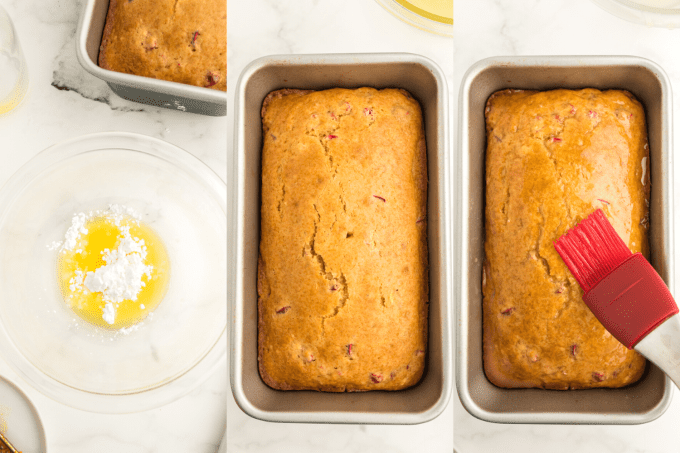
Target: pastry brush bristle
x,y
592,249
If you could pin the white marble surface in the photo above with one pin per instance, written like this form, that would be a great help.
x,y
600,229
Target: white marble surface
x,y
263,27
46,29
486,28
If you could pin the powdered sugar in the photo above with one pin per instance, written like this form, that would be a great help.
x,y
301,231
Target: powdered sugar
x,y
116,213
76,282
109,314
121,277
73,233
54,245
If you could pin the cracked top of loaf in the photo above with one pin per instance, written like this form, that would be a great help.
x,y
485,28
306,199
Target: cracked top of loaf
x,y
181,41
343,273
552,159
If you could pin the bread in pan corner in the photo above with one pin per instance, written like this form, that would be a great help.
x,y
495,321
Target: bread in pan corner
x,y
181,41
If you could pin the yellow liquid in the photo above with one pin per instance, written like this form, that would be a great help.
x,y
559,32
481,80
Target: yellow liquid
x,y
437,10
103,234
19,87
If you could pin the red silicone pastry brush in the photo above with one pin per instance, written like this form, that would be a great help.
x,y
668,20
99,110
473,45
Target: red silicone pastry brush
x,y
624,292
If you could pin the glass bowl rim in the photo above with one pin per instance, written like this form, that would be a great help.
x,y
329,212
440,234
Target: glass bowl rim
x,y
403,13
641,14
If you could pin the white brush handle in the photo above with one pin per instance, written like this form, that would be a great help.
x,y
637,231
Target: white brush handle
x,y
662,346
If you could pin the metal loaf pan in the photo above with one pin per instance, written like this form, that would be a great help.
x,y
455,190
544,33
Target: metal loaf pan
x,y
650,397
425,81
159,93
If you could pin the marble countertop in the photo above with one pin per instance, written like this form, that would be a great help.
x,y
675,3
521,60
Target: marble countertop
x,y
264,27
485,28
64,102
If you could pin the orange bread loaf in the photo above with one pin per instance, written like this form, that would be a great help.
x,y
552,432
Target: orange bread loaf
x,y
552,159
343,273
177,40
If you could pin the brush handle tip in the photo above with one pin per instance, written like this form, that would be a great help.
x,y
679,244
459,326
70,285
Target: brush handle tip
x,y
662,347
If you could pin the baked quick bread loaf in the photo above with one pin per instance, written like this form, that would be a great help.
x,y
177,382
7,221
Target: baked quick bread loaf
x,y
343,273
177,40
552,159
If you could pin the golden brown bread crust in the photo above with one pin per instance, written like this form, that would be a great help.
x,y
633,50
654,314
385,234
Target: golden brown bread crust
x,y
343,273
177,40
552,159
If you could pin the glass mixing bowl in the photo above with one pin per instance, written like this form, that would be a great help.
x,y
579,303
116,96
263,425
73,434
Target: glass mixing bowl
x,y
435,16
171,351
654,13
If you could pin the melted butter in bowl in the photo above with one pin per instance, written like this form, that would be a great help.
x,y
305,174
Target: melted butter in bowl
x,y
112,270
